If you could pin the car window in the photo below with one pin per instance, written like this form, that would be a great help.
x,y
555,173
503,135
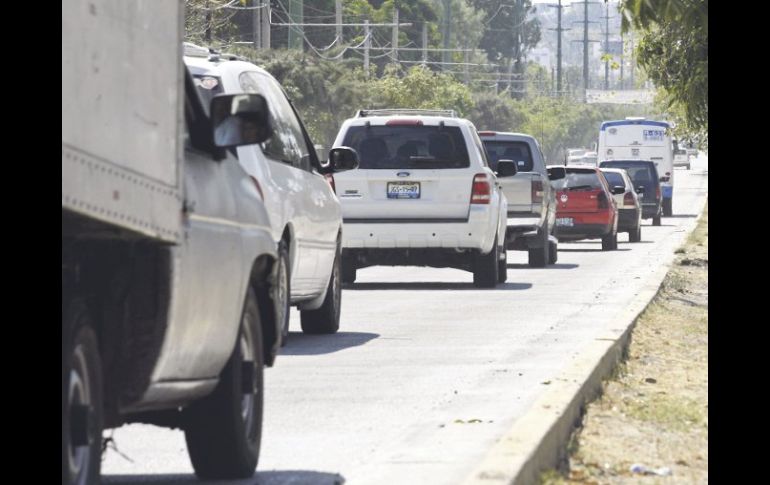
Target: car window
x,y
408,146
288,142
639,172
208,87
579,180
614,179
518,151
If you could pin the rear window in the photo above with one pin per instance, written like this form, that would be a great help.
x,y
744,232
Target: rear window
x,y
578,180
428,147
518,151
640,172
614,179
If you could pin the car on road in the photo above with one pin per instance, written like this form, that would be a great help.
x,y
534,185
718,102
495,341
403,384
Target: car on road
x,y
644,174
629,206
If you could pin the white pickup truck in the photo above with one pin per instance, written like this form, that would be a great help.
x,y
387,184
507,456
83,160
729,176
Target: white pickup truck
x,y
167,255
531,200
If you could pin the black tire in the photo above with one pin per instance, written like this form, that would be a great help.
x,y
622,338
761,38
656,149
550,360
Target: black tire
x,y
348,273
688,166
485,267
553,252
221,441
82,387
656,220
539,257
615,240
326,319
607,241
281,290
668,207
635,235
502,267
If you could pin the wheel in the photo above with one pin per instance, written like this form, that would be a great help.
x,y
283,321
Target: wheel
x,y
607,241
538,257
502,267
326,319
281,290
667,207
348,273
688,166
82,418
553,252
636,234
485,268
615,240
223,430
656,220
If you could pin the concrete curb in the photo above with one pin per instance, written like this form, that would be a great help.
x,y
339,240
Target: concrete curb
x,y
538,440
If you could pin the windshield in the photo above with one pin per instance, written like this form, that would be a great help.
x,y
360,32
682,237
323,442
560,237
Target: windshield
x,y
641,173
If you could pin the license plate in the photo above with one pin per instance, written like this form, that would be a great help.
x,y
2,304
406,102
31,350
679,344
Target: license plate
x,y
565,221
403,190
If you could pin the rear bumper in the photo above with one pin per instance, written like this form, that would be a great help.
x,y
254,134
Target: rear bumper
x,y
434,257
522,232
582,231
650,210
627,219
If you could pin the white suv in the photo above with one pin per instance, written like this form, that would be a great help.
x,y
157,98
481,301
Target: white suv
x,y
422,195
304,212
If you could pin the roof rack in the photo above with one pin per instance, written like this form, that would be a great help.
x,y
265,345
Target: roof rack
x,y
363,113
193,50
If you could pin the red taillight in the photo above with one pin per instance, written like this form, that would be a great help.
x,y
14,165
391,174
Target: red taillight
x,y
329,178
657,192
259,189
601,198
404,123
487,133
537,191
628,199
482,190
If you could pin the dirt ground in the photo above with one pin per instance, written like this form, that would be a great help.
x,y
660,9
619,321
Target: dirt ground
x,y
654,411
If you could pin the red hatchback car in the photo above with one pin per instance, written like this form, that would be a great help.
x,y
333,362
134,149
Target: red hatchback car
x,y
585,208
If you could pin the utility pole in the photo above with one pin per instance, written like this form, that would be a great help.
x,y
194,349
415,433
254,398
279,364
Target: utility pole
x,y
367,44
424,43
256,24
296,31
633,61
585,42
447,31
265,24
558,30
394,39
607,46
622,59
207,32
338,19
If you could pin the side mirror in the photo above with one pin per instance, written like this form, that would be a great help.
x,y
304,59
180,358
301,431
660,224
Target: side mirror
x,y
640,190
506,168
556,173
617,190
341,159
239,119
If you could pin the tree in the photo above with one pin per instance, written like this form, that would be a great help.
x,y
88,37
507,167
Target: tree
x,y
674,54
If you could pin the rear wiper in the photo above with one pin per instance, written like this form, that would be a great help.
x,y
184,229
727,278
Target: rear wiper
x,y
580,187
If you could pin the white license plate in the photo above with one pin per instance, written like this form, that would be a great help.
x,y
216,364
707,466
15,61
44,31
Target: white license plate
x,y
565,221
403,190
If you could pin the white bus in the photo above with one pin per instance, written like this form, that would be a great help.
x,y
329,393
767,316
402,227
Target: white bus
x,y
641,139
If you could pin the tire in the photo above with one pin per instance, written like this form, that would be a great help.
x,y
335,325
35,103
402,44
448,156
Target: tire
x,y
607,241
667,207
502,267
485,268
553,252
224,429
688,166
635,235
280,291
326,319
538,257
348,273
656,220
82,388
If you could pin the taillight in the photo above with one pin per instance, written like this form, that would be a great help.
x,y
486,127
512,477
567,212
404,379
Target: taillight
x,y
537,191
482,189
601,198
330,178
657,193
403,122
665,179
628,199
259,189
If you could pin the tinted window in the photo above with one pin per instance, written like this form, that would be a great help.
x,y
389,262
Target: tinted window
x,y
288,142
578,180
208,87
428,147
518,151
614,179
639,172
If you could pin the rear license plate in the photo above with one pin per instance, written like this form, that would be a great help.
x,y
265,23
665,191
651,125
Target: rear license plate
x,y
403,190
565,221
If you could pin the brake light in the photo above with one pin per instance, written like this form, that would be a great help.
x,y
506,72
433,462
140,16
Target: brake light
x,y
330,178
403,123
487,133
482,189
259,189
601,198
537,191
628,199
657,192
665,179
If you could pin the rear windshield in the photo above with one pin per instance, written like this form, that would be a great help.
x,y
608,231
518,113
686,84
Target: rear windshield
x,y
641,173
578,180
518,151
614,179
429,147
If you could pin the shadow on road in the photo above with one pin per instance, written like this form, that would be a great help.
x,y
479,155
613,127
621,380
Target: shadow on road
x,y
675,216
299,343
434,286
591,250
550,266
277,477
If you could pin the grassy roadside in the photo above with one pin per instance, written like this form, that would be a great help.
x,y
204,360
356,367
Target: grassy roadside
x,y
654,410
